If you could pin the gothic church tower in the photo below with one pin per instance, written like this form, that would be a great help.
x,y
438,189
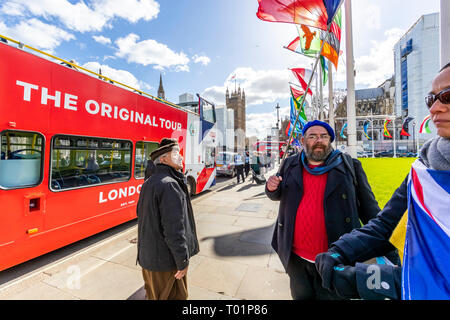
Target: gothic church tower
x,y
236,101
161,94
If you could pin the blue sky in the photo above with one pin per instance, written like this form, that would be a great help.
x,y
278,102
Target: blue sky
x,y
197,45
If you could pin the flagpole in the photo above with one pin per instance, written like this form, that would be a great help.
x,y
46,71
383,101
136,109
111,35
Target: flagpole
x,y
395,142
417,138
317,109
295,85
444,32
351,112
320,92
306,93
330,98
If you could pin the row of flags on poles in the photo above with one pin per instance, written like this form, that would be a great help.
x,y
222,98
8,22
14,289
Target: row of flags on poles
x,y
316,21
424,269
318,25
424,128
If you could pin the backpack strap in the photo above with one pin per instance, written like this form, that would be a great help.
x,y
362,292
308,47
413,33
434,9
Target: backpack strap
x,y
349,164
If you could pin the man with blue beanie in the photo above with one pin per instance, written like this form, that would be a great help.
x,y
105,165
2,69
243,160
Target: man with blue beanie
x,y
323,194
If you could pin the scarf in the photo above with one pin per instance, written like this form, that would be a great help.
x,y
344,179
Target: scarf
x,y
435,153
333,160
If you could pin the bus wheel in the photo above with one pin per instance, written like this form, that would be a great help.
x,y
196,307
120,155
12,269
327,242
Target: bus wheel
x,y
191,186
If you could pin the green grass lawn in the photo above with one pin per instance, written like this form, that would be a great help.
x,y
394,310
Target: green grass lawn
x,y
385,175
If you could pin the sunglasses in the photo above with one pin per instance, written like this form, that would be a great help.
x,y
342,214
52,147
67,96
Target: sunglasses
x,y
443,96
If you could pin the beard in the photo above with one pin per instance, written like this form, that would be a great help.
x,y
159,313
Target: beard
x,y
318,152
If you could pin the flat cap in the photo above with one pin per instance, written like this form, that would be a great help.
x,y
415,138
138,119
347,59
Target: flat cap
x,y
166,145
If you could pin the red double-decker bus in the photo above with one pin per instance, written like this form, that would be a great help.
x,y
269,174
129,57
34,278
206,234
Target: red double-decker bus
x,y
74,150
270,146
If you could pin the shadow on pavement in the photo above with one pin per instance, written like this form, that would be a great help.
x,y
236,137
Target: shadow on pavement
x,y
61,253
246,187
253,242
139,294
228,187
260,195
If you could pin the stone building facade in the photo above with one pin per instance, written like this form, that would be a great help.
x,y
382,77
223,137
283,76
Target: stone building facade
x,y
374,104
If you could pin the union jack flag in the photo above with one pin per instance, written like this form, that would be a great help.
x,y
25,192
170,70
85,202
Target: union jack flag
x,y
426,260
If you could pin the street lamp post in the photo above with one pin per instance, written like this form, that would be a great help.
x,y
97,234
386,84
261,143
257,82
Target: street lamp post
x,y
351,110
278,115
373,137
395,137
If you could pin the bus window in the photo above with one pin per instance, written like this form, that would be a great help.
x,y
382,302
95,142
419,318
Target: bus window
x,y
210,157
21,159
207,110
142,155
83,161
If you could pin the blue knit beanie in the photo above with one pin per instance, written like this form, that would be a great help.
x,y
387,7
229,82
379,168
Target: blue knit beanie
x,y
319,123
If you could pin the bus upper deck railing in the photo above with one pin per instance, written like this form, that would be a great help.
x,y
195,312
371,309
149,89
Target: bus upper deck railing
x,y
22,45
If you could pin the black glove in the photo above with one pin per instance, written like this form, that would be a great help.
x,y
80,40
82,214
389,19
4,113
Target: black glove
x,y
344,282
324,265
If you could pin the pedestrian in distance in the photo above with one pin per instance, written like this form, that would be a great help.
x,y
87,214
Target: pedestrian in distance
x,y
422,234
167,236
323,194
239,166
247,163
256,163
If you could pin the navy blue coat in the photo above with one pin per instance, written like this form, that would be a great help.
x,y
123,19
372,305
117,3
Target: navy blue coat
x,y
340,203
371,241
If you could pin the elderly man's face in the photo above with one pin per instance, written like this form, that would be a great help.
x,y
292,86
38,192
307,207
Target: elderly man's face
x,y
440,112
173,159
317,143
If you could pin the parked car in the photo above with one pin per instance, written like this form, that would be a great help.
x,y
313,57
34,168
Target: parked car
x,y
411,154
225,163
364,154
384,154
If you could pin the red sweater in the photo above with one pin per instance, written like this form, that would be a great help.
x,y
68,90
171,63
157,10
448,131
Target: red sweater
x,y
310,235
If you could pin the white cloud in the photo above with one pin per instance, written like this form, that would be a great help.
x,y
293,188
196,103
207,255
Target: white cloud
x,y
260,86
37,34
76,16
204,60
12,8
259,124
82,17
215,94
378,65
131,10
369,15
102,39
150,52
375,67
122,76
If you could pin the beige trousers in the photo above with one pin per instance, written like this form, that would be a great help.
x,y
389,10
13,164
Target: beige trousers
x,y
162,285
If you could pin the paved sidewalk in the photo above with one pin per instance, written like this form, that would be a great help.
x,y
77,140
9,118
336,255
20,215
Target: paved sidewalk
x,y
236,261
234,227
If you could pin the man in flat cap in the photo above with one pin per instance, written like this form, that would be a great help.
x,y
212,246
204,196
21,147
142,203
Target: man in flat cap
x,y
323,194
167,236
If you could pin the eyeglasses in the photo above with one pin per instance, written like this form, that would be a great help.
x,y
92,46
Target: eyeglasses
x,y
315,137
443,96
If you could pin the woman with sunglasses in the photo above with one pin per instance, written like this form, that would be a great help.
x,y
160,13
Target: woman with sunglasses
x,y
422,204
